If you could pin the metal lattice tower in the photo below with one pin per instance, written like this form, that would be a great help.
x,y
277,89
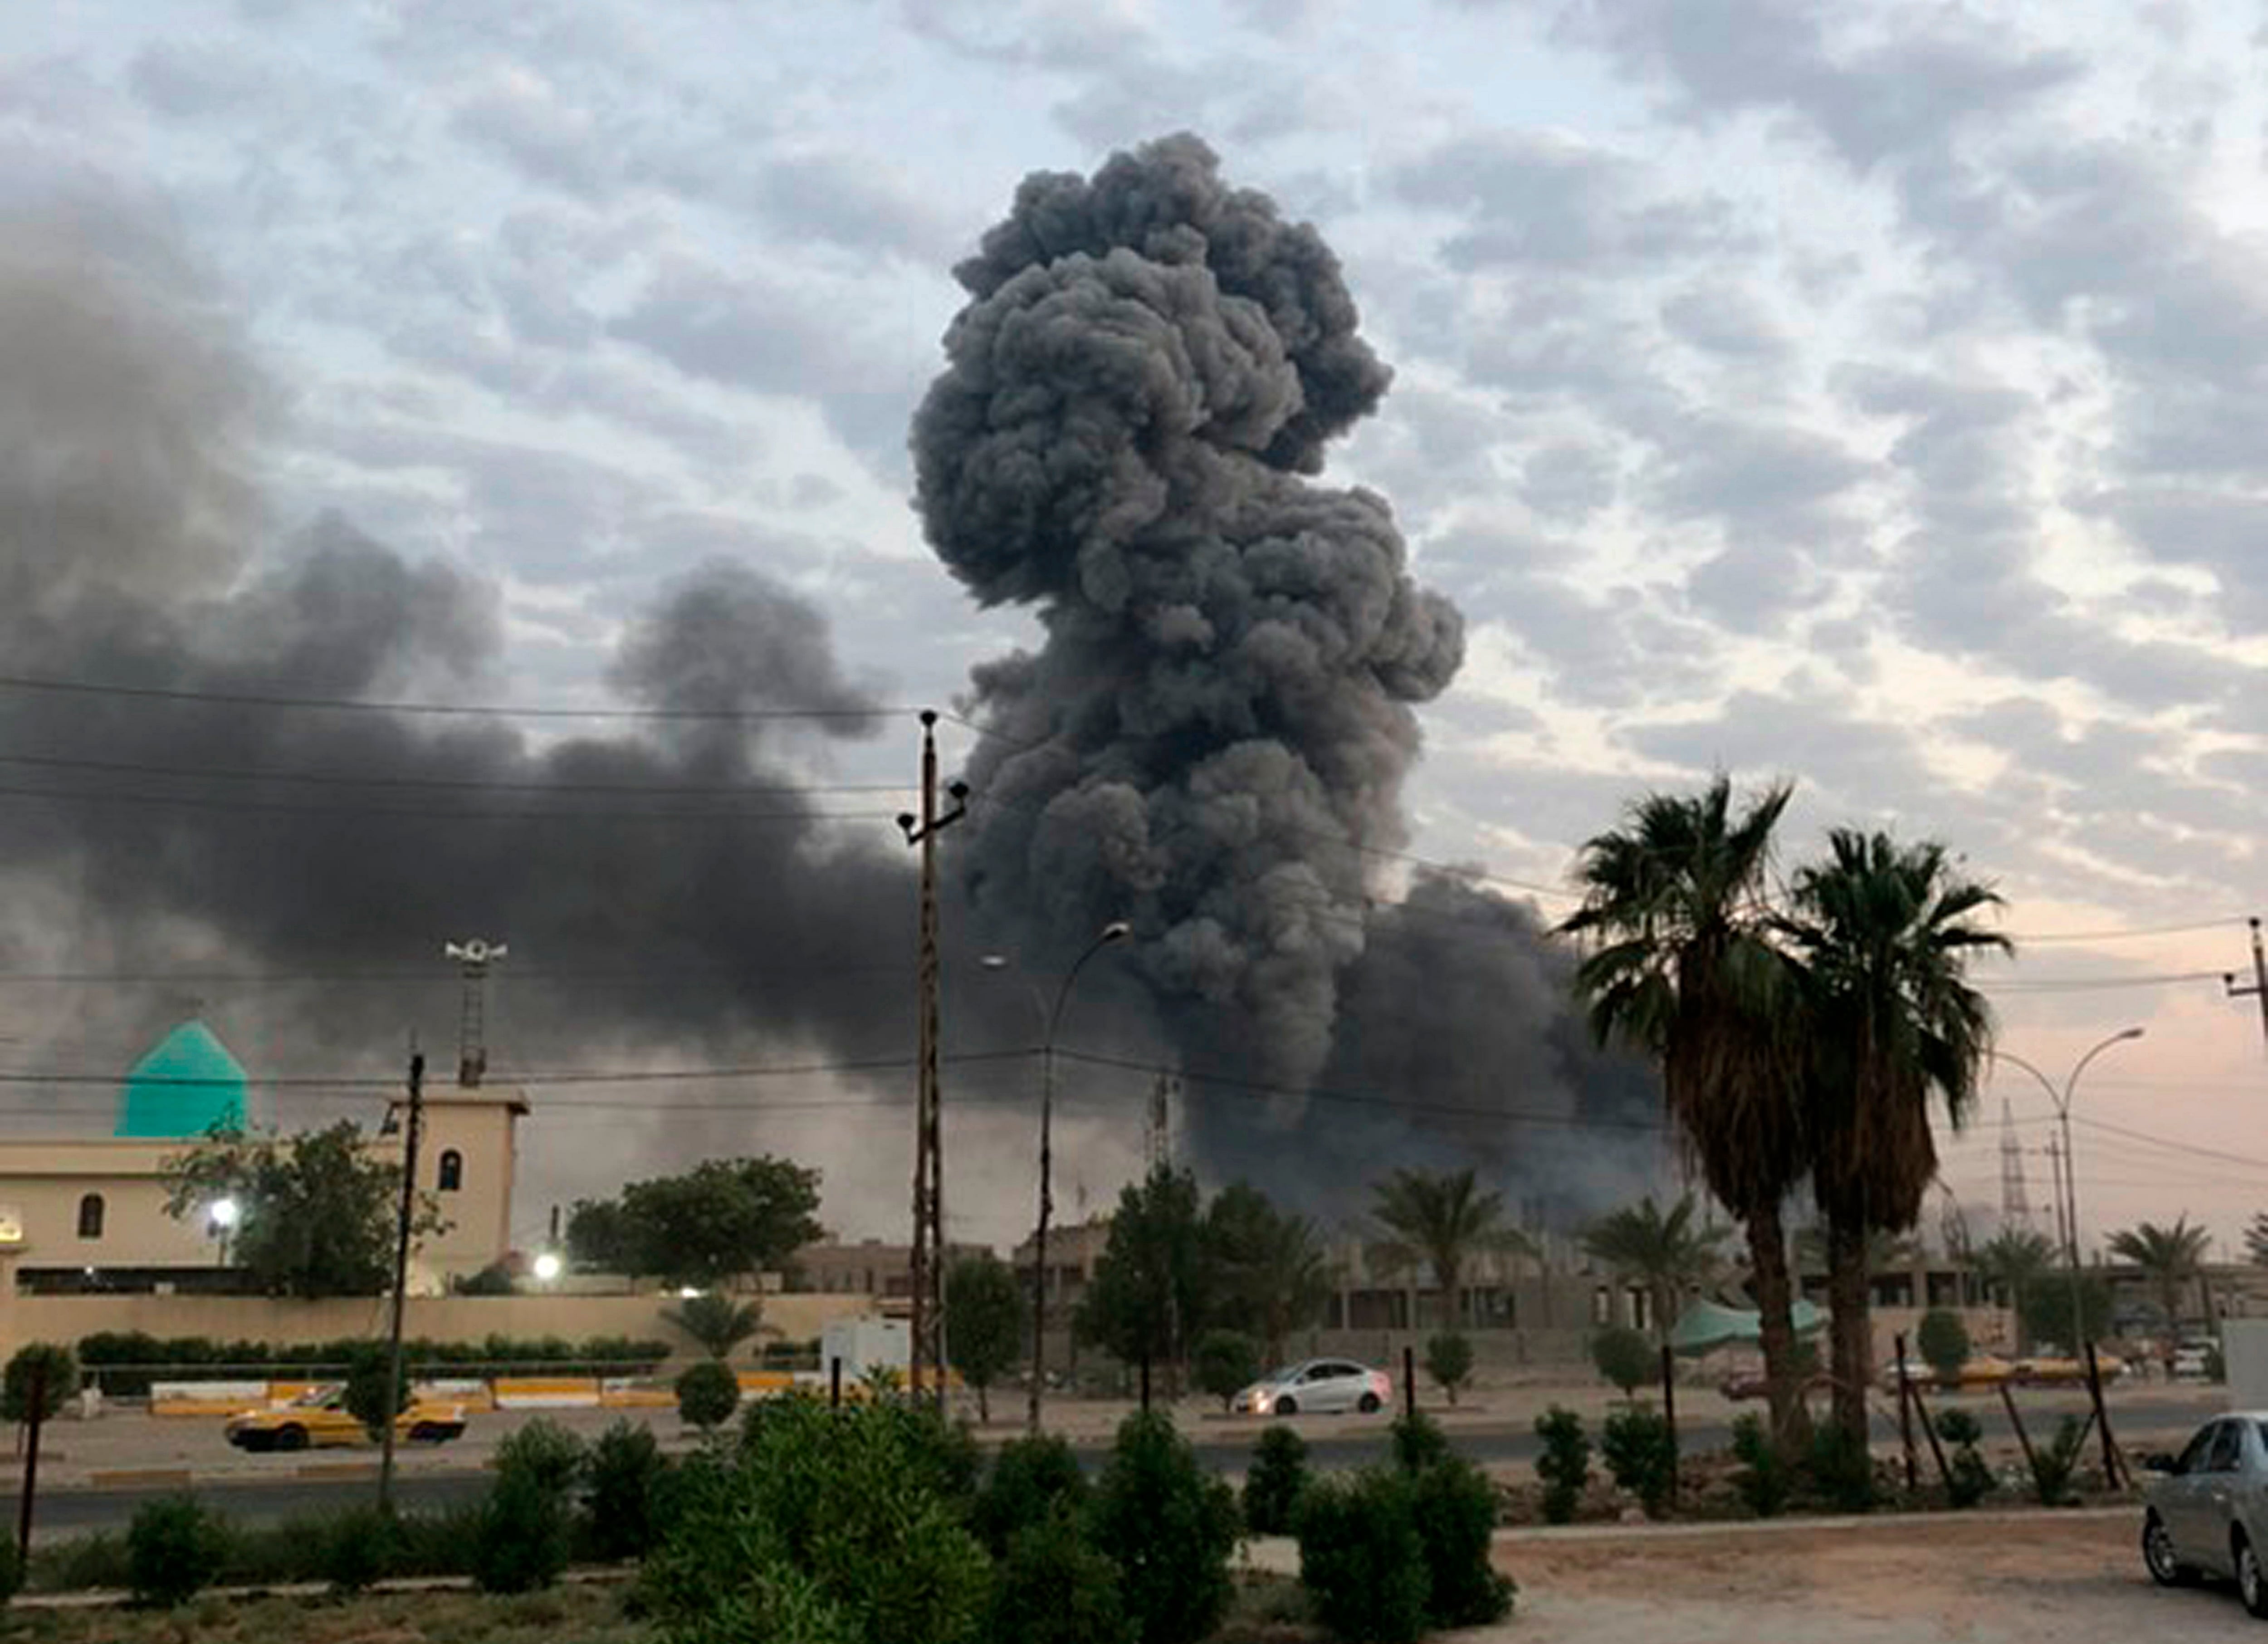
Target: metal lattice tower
x,y
2015,1204
474,958
1158,1136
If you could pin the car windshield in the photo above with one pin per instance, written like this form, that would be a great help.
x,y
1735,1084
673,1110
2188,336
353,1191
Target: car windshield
x,y
315,1398
1283,1372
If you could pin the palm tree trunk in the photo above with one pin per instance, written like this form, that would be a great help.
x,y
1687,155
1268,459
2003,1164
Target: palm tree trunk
x,y
1776,1326
1852,1330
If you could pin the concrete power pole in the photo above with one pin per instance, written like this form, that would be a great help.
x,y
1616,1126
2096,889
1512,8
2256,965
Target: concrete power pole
x,y
2258,990
401,1279
927,1324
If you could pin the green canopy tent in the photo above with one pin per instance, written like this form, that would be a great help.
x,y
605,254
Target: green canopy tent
x,y
1706,1326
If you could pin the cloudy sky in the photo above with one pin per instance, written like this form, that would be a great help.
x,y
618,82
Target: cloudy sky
x,y
1869,394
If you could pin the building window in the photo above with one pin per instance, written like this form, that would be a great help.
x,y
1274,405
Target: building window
x,y
1602,1306
89,1216
452,1170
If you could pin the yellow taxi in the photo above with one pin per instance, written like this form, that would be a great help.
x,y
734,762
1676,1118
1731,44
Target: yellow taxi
x,y
319,1418
2049,1371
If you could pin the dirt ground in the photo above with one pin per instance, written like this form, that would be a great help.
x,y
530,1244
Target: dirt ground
x,y
1979,1578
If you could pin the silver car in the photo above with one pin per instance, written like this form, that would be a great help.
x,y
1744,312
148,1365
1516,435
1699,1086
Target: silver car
x,y
1316,1386
2208,1508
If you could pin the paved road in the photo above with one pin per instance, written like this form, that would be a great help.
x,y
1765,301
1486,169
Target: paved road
x,y
1333,1443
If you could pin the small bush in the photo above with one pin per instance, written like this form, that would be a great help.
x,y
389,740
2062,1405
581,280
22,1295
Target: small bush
x,y
1052,1588
1171,1529
1943,1342
368,1373
1227,1362
1842,1469
1418,1443
1969,1479
35,1360
1638,1450
1449,1362
359,1549
1273,1484
708,1393
11,1570
1455,1505
90,1563
1624,1357
1566,1464
1032,1480
2054,1463
623,1482
1765,1481
175,1550
523,1537
1360,1557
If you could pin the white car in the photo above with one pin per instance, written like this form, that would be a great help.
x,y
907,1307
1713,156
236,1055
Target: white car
x,y
1316,1386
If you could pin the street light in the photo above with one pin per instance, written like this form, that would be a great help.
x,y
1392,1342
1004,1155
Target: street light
x,y
221,1215
546,1266
2067,1189
1115,931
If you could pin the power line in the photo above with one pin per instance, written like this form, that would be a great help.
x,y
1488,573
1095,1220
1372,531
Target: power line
x,y
439,784
426,978
493,711
185,801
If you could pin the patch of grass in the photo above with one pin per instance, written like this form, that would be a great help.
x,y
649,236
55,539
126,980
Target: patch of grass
x,y
573,1614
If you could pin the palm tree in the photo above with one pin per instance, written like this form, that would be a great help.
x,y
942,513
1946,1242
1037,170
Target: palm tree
x,y
1443,1221
1882,934
2170,1258
1271,1274
2256,1238
717,1321
1667,1253
1886,1252
1683,970
2012,1261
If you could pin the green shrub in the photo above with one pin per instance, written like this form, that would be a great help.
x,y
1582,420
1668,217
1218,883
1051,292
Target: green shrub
x,y
370,1374
81,1564
1842,1469
1170,1527
175,1550
1625,1357
359,1549
1031,1479
1360,1557
1449,1362
708,1393
1227,1362
2053,1463
1969,1479
11,1570
821,1525
1765,1481
524,1535
35,1361
1943,1341
1418,1443
1640,1451
1053,1587
1273,1484
1565,1466
495,1279
1455,1505
624,1482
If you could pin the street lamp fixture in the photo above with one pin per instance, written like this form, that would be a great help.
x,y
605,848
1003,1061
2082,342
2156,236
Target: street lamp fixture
x,y
2067,1186
546,1266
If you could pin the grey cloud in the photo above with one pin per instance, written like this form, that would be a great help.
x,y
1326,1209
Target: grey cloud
x,y
1726,319
1569,480
547,139
1750,474
195,80
858,200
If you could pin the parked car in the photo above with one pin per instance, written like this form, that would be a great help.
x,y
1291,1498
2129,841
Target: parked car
x,y
1317,1385
2206,1510
1750,1383
2193,1361
319,1418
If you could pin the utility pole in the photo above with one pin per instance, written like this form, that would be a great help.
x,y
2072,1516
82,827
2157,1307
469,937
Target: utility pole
x,y
927,1326
401,1278
2258,990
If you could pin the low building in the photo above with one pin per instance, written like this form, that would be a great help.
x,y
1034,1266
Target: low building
x,y
868,1267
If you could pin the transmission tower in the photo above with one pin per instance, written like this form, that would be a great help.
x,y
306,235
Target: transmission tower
x,y
1158,1134
2015,1206
473,959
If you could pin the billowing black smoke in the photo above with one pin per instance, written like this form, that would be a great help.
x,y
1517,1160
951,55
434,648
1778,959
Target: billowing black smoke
x,y
1219,722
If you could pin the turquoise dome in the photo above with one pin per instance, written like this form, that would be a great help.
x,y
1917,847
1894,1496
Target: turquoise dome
x,y
186,1085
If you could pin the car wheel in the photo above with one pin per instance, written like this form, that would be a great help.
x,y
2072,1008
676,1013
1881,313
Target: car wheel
x,y
1367,1403
1287,1407
2158,1553
2251,1580
291,1438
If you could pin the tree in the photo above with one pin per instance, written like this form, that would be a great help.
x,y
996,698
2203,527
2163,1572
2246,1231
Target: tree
x,y
708,1392
2012,1262
1625,1357
1442,1220
1666,1253
1882,935
1227,1362
717,1321
1271,1275
2170,1258
1449,1360
369,1367
2045,1311
1680,966
984,1323
723,1219
1150,1285
316,1214
1943,1340
55,1368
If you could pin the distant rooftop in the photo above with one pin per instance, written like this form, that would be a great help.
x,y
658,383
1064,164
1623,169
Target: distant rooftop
x,y
186,1085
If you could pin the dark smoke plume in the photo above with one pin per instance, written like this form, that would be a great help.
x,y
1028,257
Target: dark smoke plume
x,y
1219,724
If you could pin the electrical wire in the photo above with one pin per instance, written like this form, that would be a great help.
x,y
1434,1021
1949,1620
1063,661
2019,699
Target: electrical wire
x,y
493,711
442,784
